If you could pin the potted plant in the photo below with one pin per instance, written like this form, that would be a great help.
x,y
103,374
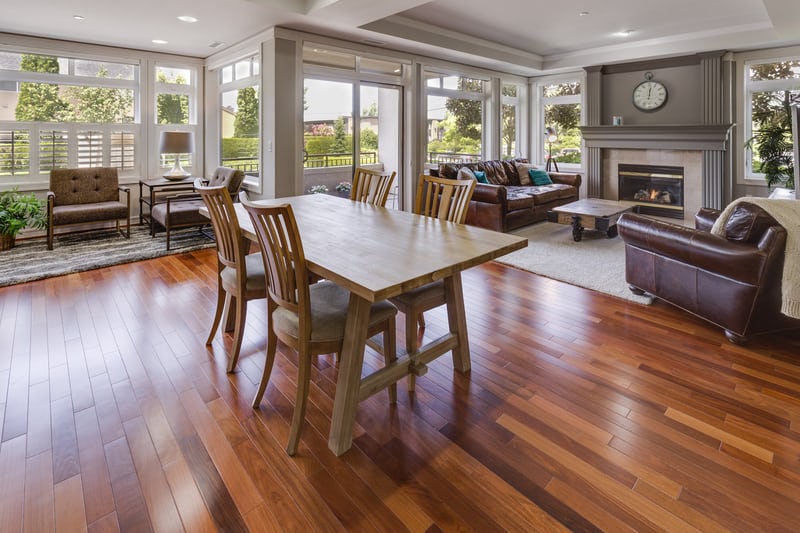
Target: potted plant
x,y
773,144
343,189
318,189
17,211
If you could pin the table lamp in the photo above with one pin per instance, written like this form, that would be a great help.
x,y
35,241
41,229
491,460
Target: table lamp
x,y
550,136
176,142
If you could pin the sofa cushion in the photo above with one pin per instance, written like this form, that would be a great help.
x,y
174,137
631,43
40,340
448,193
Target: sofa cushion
x,y
518,197
539,177
747,223
465,173
79,213
523,169
480,176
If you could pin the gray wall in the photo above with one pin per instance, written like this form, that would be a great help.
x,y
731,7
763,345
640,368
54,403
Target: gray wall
x,y
683,102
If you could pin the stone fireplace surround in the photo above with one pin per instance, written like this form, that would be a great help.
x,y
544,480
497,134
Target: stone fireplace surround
x,y
700,149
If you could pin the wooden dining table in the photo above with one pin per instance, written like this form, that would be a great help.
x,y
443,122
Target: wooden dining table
x,y
377,253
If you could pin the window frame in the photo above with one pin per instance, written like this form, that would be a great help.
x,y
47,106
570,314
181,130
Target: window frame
x,y
237,83
751,87
484,96
537,120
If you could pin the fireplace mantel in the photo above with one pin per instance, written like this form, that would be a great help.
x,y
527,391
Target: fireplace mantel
x,y
712,137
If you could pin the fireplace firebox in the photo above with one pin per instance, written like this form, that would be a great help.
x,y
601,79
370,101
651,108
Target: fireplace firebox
x,y
657,189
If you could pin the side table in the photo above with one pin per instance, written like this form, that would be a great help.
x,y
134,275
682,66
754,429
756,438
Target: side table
x,y
156,188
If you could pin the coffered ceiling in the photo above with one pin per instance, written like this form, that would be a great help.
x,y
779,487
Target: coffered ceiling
x,y
527,37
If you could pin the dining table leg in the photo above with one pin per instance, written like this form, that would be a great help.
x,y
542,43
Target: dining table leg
x,y
348,383
457,321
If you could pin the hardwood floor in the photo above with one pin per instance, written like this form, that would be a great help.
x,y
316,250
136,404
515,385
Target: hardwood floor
x,y
582,412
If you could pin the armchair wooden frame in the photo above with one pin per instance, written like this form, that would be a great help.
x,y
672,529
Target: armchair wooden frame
x,y
80,196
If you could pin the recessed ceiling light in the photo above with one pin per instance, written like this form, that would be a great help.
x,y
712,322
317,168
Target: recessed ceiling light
x,y
78,17
624,33
159,41
583,13
187,18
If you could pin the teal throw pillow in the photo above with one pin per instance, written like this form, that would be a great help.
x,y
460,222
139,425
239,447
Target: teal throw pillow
x,y
539,177
480,175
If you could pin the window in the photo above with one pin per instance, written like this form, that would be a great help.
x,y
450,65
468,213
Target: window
x,y
239,116
60,111
174,91
560,109
455,118
771,88
510,110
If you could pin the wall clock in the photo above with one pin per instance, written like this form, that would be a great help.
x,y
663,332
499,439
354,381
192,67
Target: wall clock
x,y
649,95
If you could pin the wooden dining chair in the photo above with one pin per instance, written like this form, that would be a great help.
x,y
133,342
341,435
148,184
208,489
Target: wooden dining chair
x,y
308,317
371,186
240,276
444,199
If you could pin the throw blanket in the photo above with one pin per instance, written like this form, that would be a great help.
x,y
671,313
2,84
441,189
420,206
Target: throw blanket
x,y
787,213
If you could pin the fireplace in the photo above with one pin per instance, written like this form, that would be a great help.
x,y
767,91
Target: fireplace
x,y
657,189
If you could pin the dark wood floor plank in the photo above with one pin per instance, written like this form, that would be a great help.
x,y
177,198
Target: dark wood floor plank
x,y
97,494
12,494
69,506
39,513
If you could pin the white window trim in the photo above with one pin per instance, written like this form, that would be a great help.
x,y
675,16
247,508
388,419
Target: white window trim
x,y
751,87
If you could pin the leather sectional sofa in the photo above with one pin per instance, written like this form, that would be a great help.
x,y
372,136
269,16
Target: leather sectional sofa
x,y
504,204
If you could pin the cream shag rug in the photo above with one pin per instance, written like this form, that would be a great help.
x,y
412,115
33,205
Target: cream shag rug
x,y
596,262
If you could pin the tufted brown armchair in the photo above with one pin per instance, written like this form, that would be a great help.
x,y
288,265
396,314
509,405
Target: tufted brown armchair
x,y
732,281
183,210
82,195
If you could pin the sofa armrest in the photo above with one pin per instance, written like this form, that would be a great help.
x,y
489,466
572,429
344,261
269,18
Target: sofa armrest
x,y
741,262
704,219
489,193
566,178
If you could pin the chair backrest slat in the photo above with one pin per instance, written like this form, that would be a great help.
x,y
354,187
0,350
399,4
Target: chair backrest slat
x,y
230,245
443,198
284,259
371,186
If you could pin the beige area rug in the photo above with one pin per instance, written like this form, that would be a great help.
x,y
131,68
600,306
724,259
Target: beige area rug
x,y
596,262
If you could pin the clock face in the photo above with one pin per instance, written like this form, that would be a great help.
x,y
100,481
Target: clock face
x,y
649,95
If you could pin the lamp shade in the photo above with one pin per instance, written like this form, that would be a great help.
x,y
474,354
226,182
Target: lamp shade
x,y
550,134
176,142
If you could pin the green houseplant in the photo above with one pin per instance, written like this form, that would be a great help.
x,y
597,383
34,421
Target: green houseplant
x,y
17,211
772,143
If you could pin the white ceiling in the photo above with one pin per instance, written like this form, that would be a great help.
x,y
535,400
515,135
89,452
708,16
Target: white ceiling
x,y
526,37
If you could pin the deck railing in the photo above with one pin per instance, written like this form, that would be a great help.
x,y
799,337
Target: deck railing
x,y
451,157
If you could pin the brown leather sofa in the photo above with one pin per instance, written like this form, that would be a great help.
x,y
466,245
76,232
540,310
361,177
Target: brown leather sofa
x,y
504,204
733,282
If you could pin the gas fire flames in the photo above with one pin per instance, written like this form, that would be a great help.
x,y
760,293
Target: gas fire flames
x,y
653,195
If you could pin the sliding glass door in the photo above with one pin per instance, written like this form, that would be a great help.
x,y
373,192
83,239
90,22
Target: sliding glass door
x,y
346,125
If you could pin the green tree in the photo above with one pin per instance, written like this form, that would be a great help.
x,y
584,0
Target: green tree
x,y
562,117
371,111
39,102
340,145
467,113
172,108
509,131
246,122
368,140
772,124
100,104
